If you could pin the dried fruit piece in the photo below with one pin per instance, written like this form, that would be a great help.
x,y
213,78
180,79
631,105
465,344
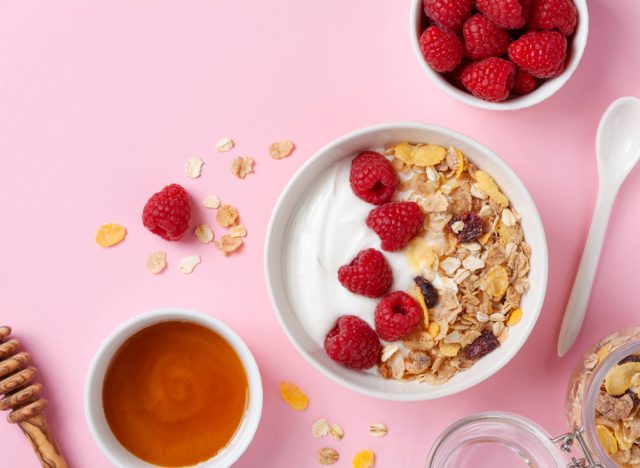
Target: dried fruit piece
x,y
229,244
429,293
227,216
188,264
425,155
240,167
224,145
238,231
607,439
157,262
211,202
193,168
293,396
204,233
336,432
281,149
110,234
618,379
482,345
514,317
467,227
363,459
378,430
320,428
496,281
488,186
328,456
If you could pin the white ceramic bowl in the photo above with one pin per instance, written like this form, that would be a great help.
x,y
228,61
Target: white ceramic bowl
x,y
369,383
93,408
545,90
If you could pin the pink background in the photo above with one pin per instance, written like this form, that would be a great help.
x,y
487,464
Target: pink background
x,y
101,104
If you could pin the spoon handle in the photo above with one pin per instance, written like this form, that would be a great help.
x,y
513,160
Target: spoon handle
x,y
577,305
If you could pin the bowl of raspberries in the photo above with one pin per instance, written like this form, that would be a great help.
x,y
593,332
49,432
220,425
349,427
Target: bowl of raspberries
x,y
499,54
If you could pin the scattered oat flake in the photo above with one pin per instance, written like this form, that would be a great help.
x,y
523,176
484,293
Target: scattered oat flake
x,y
281,149
336,432
157,262
204,233
293,396
188,264
227,216
224,145
238,231
193,168
229,244
364,459
320,428
110,234
378,430
240,167
328,456
211,202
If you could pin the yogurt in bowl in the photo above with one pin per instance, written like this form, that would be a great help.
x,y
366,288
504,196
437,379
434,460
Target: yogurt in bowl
x,y
319,225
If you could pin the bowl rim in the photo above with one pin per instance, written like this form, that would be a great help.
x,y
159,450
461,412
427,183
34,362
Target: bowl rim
x,y
551,86
109,346
269,258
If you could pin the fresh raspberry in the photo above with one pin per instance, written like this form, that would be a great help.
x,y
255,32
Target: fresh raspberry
x,y
471,227
507,14
490,79
450,14
373,178
554,14
368,274
167,212
397,315
441,48
484,39
541,53
353,343
395,223
524,83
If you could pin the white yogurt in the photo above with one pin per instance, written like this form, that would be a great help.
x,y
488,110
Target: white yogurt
x,y
327,231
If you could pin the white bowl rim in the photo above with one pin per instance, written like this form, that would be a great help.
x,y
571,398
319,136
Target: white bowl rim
x,y
534,215
253,412
535,97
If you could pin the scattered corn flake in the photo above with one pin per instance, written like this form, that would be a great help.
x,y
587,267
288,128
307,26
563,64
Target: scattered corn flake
x,y
224,145
496,281
211,202
204,233
157,262
320,428
363,459
607,439
238,231
293,396
229,244
328,456
281,149
193,168
450,349
110,234
514,317
188,264
378,430
433,329
489,186
336,432
240,167
618,379
227,216
462,164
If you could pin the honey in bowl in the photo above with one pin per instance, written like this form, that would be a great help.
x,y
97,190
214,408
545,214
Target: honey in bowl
x,y
175,393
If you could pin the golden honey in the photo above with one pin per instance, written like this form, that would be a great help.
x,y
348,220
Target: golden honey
x,y
175,393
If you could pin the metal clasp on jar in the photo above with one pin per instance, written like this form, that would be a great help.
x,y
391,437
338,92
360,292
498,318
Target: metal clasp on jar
x,y
566,443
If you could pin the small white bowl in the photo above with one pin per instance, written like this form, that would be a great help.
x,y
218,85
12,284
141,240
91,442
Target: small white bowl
x,y
94,412
544,91
369,383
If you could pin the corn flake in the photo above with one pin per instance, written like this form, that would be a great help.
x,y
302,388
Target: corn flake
x,y
489,186
425,155
281,149
293,396
211,202
193,168
224,145
462,164
240,167
188,264
204,233
363,459
227,216
110,234
157,262
450,349
618,379
433,329
497,281
607,439
514,317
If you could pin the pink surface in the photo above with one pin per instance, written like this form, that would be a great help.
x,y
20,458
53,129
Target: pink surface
x,y
102,102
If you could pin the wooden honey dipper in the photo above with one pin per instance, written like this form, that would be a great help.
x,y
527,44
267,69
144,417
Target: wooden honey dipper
x,y
22,397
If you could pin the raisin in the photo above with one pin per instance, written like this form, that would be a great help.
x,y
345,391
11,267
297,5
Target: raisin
x,y
429,293
472,227
482,345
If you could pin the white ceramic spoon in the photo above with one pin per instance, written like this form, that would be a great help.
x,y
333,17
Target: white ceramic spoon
x,y
617,152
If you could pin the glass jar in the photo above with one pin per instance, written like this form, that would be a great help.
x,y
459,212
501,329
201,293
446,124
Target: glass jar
x,y
508,440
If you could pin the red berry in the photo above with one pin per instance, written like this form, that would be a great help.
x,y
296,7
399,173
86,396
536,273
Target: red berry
x,y
441,48
484,39
490,79
449,14
507,14
353,343
373,178
554,14
471,227
397,315
524,83
541,53
368,274
395,223
167,212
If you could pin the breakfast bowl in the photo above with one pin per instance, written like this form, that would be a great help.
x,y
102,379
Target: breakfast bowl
x,y
176,403
318,223
575,50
